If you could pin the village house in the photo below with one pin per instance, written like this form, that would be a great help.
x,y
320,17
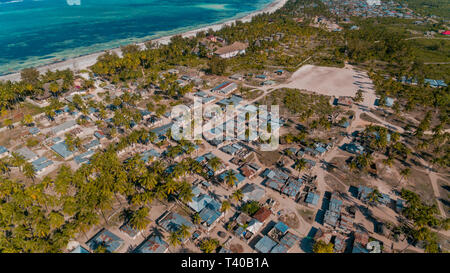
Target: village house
x,y
345,101
4,152
27,154
41,164
278,240
225,88
252,192
153,244
106,238
237,48
130,231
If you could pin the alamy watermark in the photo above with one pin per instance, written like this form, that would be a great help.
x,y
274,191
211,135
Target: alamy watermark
x,y
73,2
214,123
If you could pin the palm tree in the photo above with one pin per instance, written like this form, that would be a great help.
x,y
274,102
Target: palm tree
x,y
300,165
184,231
28,171
404,174
103,202
215,163
27,119
4,168
174,238
196,219
185,192
160,192
209,245
69,142
388,161
17,160
170,186
8,123
226,205
374,196
237,195
158,167
148,180
139,219
230,178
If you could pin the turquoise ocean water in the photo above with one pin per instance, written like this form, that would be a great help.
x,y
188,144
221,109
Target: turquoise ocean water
x,y
38,32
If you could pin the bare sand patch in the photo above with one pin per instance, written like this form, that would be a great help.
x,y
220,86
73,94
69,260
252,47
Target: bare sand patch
x,y
332,81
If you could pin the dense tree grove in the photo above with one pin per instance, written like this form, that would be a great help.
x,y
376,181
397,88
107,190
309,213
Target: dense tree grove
x,y
422,217
44,216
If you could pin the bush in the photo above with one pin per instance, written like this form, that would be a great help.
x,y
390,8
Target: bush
x,y
251,207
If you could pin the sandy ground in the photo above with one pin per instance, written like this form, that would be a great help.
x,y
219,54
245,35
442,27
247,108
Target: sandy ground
x,y
332,81
83,62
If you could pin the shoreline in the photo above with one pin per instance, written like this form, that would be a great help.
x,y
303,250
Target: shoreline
x,y
84,61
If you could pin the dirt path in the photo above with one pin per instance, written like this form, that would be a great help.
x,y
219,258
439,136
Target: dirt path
x,y
433,178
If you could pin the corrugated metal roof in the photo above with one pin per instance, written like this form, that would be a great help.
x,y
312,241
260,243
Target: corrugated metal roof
x,y
106,237
265,244
153,244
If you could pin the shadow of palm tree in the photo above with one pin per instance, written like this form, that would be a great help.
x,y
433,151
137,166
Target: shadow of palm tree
x,y
157,232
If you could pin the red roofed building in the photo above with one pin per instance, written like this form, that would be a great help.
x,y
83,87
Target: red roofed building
x,y
248,171
447,32
262,214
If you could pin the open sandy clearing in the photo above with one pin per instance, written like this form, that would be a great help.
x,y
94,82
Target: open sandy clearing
x,y
332,81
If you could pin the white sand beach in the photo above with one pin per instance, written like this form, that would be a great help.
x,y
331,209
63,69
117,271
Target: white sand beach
x,y
83,62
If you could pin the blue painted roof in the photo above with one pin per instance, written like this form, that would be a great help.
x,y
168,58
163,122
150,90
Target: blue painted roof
x,y
281,227
435,83
385,199
239,176
111,241
208,99
265,244
3,149
199,202
312,198
321,150
79,249
64,126
335,205
173,221
200,159
235,99
201,94
41,163
94,143
61,149
147,155
389,102
129,230
99,135
196,191
274,184
162,130
357,248
34,130
354,148
364,191
292,187
153,244
209,215
145,112
279,248
84,157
